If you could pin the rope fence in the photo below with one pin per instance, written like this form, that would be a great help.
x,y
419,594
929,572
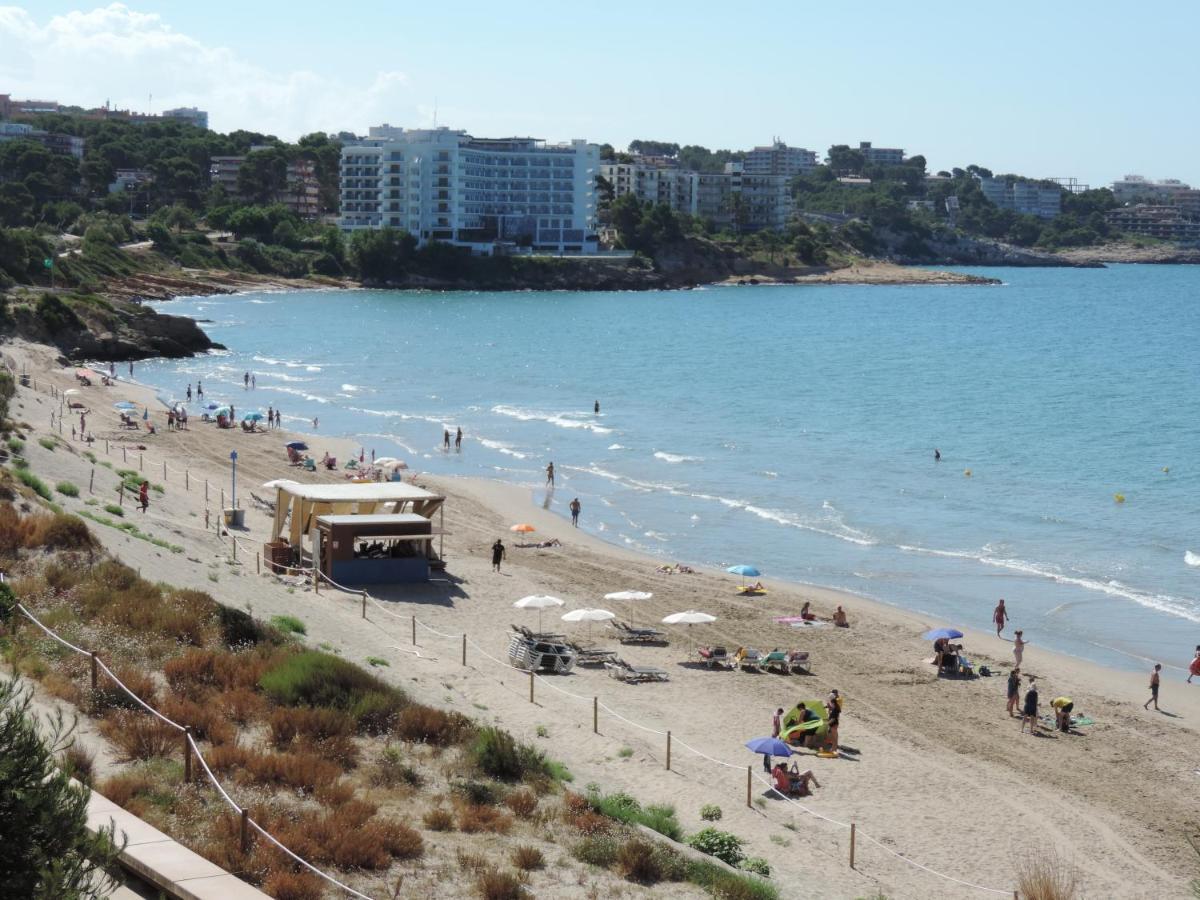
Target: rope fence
x,y
190,748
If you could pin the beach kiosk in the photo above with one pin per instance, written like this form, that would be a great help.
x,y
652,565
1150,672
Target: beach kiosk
x,y
380,548
397,517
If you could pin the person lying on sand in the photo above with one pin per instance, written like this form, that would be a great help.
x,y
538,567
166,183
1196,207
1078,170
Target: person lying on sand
x,y
553,542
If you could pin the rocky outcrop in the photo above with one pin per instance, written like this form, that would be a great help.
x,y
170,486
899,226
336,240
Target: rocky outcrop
x,y
90,327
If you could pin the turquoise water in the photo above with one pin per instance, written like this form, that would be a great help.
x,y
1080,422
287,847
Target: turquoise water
x,y
794,428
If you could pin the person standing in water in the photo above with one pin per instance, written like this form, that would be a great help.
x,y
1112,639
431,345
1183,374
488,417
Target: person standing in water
x,y
575,508
199,390
498,553
458,440
189,392
445,438
1000,616
937,455
596,409
550,474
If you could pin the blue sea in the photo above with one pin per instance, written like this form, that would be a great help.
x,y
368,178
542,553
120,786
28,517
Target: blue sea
x,y
794,428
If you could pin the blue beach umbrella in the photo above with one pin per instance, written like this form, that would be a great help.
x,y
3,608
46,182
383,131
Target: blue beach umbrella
x,y
949,634
298,446
124,405
211,405
744,571
253,416
769,746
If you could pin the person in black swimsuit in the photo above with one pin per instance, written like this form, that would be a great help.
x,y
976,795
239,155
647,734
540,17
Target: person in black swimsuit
x,y
498,553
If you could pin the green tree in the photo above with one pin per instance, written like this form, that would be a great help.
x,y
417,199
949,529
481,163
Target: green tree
x,y
845,161
382,254
16,205
176,216
262,176
47,852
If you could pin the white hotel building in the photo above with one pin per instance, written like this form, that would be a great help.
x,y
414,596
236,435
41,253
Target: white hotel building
x,y
444,185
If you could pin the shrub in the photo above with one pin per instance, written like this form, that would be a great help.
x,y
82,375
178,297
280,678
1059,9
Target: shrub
x,y
757,865
729,886
48,443
205,719
438,819
110,695
241,705
79,763
391,770
306,771
637,861
528,858
139,735
476,792
493,884
721,844
123,787
1045,875
113,510
522,802
497,754
289,624
624,808
710,812
67,489
476,817
427,725
596,850
16,446
64,532
377,661
20,463
309,725
240,629
312,678
34,483
285,885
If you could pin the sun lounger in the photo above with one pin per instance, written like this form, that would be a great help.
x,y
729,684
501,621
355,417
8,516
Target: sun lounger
x,y
748,659
714,657
589,655
776,659
638,635
798,661
538,635
623,671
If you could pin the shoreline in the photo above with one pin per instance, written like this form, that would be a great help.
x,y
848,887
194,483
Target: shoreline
x,y
917,739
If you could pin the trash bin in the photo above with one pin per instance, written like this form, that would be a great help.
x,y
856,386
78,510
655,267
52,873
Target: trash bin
x,y
235,518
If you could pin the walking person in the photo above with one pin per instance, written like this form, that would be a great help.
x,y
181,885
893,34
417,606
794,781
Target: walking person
x,y
1154,680
144,496
246,382
253,382
1018,647
498,553
1194,668
189,392
199,390
1029,711
1000,616
1014,690
550,474
458,441
270,417
575,508
315,423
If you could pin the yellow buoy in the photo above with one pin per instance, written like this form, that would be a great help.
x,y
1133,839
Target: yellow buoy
x,y
1166,468
1120,498
967,472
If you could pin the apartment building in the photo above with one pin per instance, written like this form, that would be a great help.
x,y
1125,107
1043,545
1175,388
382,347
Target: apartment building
x,y
1163,222
881,156
1023,197
481,193
1139,189
64,144
302,193
653,183
780,159
757,202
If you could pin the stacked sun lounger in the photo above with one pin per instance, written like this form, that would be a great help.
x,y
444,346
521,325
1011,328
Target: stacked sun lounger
x,y
629,635
623,671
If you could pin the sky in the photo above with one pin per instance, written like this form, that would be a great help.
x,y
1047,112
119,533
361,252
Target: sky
x,y
1094,90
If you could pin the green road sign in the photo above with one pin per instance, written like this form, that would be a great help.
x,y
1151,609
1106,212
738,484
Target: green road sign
x,y
48,263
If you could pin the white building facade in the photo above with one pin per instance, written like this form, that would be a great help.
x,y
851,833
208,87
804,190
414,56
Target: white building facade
x,y
480,193
1024,197
779,159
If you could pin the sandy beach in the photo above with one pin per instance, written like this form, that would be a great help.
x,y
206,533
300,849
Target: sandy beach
x,y
934,770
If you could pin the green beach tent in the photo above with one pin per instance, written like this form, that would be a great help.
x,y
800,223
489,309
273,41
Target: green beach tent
x,y
793,731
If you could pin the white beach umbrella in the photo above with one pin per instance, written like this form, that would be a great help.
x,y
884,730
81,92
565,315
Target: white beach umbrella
x,y
70,392
629,596
589,616
277,483
691,617
538,602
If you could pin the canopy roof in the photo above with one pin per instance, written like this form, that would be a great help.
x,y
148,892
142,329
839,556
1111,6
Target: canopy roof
x,y
374,519
304,502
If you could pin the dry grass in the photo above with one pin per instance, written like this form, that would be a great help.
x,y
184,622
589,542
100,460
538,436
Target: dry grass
x,y
522,801
64,688
426,725
305,771
475,817
241,705
110,695
326,732
638,861
528,858
494,884
80,763
284,885
123,787
438,819
1045,875
139,735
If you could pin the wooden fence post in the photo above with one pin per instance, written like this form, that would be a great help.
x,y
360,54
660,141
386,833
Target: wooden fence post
x,y
464,654
121,494
141,462
257,563
233,540
187,755
595,715
106,446
205,490
852,841
749,783
668,751
316,580
92,481
364,606
124,454
414,630
531,685
187,479
164,470
245,831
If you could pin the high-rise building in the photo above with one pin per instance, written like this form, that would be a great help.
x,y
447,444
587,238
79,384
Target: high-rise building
x,y
881,156
445,185
779,159
190,114
301,193
652,183
1025,197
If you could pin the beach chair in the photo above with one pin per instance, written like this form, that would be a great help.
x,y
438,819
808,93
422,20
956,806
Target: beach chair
x,y
748,659
774,660
629,635
714,657
294,457
310,464
623,671
589,655
798,661
964,667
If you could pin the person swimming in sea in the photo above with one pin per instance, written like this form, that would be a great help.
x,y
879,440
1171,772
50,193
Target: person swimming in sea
x,y
937,455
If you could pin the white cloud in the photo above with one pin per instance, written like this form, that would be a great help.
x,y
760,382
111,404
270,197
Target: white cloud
x,y
117,54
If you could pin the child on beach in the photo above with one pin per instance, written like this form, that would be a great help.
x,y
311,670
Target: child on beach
x,y
1029,712
1014,690
1154,679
